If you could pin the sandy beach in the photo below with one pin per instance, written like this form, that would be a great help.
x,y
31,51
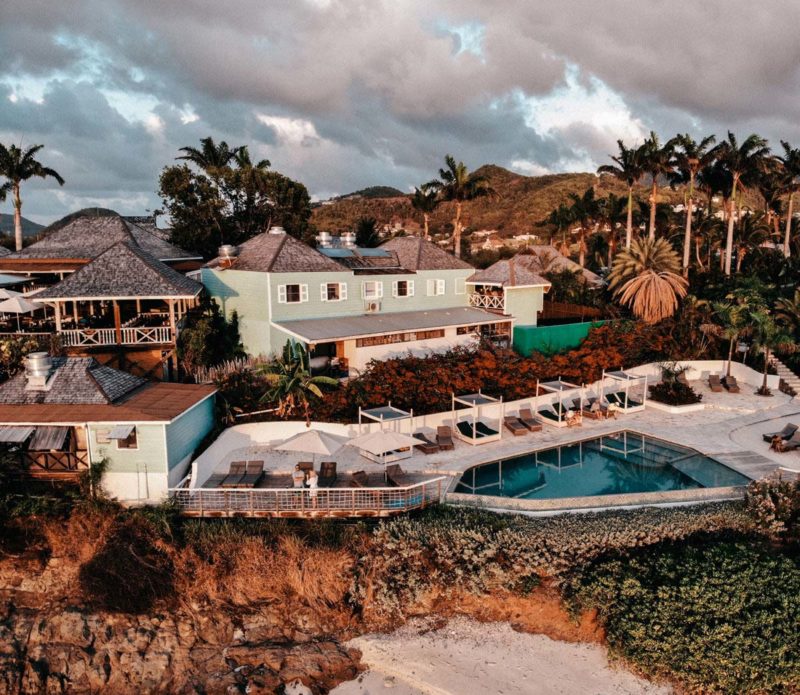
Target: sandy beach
x,y
466,656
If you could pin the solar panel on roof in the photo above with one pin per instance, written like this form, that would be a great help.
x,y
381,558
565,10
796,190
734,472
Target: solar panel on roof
x,y
336,252
380,253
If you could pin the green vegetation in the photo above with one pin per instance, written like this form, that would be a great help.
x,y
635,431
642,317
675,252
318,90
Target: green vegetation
x,y
208,338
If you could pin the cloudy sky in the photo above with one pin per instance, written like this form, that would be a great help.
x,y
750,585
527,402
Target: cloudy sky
x,y
341,94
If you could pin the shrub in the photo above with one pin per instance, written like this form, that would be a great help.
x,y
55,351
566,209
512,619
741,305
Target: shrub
x,y
774,503
674,393
208,338
720,617
129,572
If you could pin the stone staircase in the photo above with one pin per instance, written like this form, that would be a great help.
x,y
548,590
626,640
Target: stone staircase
x,y
789,381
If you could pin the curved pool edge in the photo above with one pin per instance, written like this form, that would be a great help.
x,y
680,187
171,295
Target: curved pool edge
x,y
565,504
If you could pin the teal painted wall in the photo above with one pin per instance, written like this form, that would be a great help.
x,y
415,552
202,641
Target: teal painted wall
x,y
185,433
524,303
150,451
551,339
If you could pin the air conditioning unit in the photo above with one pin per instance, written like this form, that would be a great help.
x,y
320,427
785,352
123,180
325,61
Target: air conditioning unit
x,y
372,306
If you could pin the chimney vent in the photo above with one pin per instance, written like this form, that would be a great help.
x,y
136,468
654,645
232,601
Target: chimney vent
x,y
277,229
324,240
37,370
348,240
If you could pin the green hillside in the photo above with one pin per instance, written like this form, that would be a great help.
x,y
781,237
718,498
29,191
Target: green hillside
x,y
29,228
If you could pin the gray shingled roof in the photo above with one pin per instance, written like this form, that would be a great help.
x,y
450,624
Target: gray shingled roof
x,y
123,271
415,253
88,236
543,259
279,253
510,272
73,381
4,251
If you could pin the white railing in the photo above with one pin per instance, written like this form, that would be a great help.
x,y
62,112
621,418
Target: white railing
x,y
137,335
342,502
486,301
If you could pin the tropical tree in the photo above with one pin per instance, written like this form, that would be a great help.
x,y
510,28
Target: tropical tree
x,y
561,218
425,201
18,165
657,161
646,278
585,210
791,166
730,320
212,157
241,155
627,167
769,336
787,312
690,158
367,233
612,210
291,385
744,163
456,184
752,231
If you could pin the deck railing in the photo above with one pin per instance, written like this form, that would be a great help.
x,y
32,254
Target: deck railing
x,y
45,463
486,301
135,335
298,502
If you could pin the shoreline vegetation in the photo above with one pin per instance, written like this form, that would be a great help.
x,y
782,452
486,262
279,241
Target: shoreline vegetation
x,y
96,596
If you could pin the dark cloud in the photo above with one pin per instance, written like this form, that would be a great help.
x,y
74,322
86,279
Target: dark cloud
x,y
341,94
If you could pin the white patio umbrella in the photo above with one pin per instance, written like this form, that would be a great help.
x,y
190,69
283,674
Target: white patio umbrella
x,y
381,443
8,294
18,305
313,442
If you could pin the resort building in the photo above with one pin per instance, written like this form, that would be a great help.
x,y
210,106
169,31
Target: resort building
x,y
350,305
62,415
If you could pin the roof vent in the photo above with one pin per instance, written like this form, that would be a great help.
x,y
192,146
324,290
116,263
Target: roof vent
x,y
324,240
277,229
228,251
348,240
37,370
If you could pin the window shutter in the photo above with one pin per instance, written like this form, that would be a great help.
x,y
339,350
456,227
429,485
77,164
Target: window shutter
x,y
323,291
342,290
303,293
394,288
440,287
431,287
281,294
410,288
379,285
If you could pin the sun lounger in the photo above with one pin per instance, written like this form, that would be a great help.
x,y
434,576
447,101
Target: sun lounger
x,y
466,429
360,479
327,473
397,476
595,411
514,425
485,430
714,383
444,438
235,474
549,414
526,418
786,433
731,384
429,446
619,399
254,471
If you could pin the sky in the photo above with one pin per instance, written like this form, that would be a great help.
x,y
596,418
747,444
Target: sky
x,y
345,94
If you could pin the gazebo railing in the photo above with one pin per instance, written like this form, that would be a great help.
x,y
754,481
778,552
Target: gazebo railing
x,y
486,301
375,501
136,335
79,337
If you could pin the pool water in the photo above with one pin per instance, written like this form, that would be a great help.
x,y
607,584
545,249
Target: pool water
x,y
613,464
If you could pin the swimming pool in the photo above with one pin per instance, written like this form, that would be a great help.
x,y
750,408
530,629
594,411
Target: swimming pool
x,y
614,464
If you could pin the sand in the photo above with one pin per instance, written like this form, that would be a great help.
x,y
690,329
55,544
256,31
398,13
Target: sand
x,y
466,656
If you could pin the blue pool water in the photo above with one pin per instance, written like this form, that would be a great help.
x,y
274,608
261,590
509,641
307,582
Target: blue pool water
x,y
613,464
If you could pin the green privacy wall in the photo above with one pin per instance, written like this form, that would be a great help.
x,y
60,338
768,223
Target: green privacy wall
x,y
551,339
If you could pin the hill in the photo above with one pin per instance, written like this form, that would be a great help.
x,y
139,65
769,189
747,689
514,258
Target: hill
x,y
29,228
521,202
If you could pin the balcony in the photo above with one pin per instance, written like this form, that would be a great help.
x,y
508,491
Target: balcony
x,y
491,302
135,335
53,465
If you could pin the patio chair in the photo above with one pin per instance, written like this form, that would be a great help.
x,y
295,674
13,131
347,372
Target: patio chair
x,y
786,433
236,472
327,473
514,425
397,476
254,471
731,384
444,438
429,446
360,479
532,423
465,427
714,383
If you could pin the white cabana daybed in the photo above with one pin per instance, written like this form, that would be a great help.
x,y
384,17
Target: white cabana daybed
x,y
474,430
557,413
385,447
384,414
620,394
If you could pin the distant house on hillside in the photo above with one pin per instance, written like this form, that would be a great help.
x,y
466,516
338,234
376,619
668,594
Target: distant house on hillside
x,y
62,415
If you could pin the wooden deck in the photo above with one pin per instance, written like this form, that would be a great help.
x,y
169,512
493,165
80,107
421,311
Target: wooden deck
x,y
55,465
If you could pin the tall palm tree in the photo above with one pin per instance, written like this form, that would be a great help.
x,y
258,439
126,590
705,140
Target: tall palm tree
x,y
690,157
769,336
744,163
241,155
425,201
612,209
787,312
457,184
18,165
646,277
729,321
791,166
291,385
657,161
753,230
211,157
585,210
560,218
627,168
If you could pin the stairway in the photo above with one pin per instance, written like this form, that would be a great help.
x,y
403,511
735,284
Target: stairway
x,y
789,381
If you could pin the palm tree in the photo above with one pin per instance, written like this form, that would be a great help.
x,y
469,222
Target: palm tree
x,y
627,168
612,209
744,163
646,277
753,230
241,155
585,210
426,201
791,165
457,184
730,320
18,165
212,157
657,161
291,383
787,312
769,336
690,157
560,218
